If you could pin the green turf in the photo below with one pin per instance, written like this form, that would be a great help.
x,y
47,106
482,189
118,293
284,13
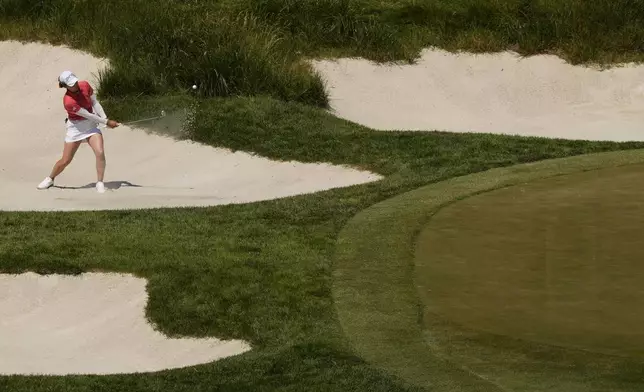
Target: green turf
x,y
380,310
555,261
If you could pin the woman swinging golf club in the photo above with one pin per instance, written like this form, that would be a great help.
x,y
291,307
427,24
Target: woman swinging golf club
x,y
84,113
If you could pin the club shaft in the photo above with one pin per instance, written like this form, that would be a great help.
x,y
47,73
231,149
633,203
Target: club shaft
x,y
145,119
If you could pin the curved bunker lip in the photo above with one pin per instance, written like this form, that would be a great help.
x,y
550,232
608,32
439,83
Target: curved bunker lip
x,y
499,93
90,324
144,170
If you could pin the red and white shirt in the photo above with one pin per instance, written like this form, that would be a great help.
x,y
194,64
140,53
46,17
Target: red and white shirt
x,y
81,104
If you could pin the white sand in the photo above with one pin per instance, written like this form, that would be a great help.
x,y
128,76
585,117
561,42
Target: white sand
x,y
90,324
165,172
495,93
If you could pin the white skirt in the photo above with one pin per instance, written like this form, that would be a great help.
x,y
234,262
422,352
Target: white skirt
x,y
78,130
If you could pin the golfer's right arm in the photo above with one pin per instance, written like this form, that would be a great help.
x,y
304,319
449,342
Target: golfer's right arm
x,y
77,109
97,106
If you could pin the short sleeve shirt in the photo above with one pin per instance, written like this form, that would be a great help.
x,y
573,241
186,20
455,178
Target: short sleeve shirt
x,y
73,102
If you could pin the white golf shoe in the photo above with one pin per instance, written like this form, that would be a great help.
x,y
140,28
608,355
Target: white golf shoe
x,y
100,187
46,183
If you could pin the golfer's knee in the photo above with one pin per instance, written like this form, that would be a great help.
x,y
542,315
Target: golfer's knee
x,y
100,155
64,161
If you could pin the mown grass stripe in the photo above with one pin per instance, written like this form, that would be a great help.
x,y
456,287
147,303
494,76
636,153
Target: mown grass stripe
x,y
374,291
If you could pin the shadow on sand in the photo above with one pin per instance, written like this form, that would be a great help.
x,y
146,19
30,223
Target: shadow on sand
x,y
111,185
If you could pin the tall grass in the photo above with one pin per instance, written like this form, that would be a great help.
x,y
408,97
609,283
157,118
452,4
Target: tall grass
x,y
580,31
325,25
253,47
600,31
164,46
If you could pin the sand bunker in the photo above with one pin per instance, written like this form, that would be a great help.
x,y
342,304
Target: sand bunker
x,y
143,170
90,324
491,93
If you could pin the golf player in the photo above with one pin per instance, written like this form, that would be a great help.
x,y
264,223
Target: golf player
x,y
84,114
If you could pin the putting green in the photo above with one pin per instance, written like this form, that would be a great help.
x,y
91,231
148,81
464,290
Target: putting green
x,y
522,278
557,261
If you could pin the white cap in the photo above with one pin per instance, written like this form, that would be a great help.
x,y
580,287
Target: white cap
x,y
68,78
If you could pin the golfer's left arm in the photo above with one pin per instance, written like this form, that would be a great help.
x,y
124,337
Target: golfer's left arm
x,y
98,109
91,116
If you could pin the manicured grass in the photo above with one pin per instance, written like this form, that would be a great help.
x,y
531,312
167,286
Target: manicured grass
x,y
555,261
377,293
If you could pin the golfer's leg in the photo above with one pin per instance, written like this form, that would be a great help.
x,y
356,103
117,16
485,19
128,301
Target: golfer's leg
x,y
96,142
68,154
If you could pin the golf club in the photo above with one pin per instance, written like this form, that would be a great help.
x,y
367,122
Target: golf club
x,y
145,119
